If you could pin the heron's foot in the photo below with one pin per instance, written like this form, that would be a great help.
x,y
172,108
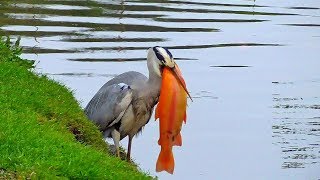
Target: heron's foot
x,y
129,148
128,158
118,153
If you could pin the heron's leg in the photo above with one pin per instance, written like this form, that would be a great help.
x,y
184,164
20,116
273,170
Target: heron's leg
x,y
129,149
116,138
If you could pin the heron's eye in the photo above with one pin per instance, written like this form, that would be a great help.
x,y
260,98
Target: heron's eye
x,y
158,54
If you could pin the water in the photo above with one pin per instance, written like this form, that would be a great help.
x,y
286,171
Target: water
x,y
252,68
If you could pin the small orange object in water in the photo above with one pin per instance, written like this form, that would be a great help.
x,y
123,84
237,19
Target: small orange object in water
x,y
171,111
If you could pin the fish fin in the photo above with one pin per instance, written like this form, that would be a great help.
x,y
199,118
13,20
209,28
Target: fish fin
x,y
157,112
165,161
185,117
177,140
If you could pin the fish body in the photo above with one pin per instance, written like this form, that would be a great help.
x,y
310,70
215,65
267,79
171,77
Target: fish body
x,y
171,111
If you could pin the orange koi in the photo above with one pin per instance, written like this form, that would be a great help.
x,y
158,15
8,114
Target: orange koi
x,y
171,111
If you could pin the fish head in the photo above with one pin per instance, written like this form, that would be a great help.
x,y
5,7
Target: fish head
x,y
176,72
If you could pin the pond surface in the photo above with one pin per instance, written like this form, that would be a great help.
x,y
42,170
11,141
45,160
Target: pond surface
x,y
252,67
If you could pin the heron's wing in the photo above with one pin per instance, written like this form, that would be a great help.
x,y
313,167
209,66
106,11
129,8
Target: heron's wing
x,y
130,78
109,105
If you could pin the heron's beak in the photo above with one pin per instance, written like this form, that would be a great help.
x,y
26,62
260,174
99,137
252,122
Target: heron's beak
x,y
177,73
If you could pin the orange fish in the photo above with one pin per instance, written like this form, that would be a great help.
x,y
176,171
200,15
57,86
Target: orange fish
x,y
171,111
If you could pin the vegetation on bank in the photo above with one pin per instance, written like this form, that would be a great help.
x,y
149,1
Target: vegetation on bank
x,y
43,130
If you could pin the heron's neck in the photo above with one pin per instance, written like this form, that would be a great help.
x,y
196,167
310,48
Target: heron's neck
x,y
154,81
154,85
150,91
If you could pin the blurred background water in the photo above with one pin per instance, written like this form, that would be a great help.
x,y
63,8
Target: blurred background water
x,y
252,68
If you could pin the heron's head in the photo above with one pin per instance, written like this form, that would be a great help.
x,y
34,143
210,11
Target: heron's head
x,y
160,58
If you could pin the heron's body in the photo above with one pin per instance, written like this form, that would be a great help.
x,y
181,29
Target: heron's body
x,y
134,112
124,105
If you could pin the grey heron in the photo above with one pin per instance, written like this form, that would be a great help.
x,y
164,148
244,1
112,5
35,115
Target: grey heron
x,y
124,105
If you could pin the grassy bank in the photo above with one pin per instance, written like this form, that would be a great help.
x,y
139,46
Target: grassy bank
x,y
43,131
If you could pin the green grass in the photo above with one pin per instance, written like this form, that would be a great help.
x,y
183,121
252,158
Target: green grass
x,y
43,130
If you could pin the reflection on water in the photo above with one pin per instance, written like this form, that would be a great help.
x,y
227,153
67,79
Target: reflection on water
x,y
77,22
83,75
233,54
204,94
296,128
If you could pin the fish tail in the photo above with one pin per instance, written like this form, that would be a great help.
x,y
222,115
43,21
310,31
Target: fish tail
x,y
165,160
177,140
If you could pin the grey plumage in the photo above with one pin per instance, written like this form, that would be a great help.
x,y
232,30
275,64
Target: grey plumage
x,y
117,95
106,113
124,105
106,105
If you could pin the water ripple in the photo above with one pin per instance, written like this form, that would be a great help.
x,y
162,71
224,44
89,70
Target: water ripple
x,y
296,132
